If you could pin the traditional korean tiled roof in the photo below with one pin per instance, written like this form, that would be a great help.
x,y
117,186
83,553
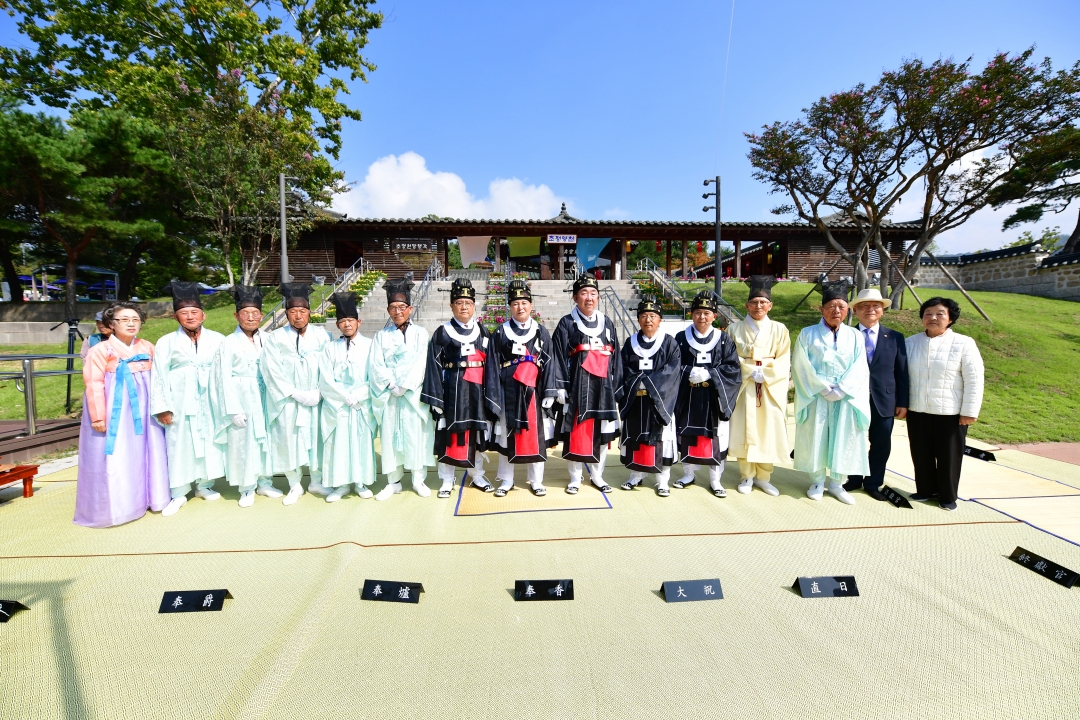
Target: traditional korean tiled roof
x,y
564,218
968,258
1058,260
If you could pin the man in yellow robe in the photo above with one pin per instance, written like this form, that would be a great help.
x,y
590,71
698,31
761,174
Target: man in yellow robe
x,y
758,425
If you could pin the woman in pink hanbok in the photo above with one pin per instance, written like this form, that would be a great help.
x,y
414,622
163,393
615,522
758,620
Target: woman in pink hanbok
x,y
123,469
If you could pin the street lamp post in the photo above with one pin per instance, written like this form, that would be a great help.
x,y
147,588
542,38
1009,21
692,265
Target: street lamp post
x,y
717,261
285,276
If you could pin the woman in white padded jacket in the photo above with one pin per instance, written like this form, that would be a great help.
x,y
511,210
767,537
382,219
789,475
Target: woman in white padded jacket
x,y
946,378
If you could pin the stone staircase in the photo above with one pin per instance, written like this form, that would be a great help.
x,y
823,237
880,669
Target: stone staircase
x,y
550,299
390,264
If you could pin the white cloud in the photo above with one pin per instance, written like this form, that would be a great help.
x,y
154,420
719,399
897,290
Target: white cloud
x,y
402,186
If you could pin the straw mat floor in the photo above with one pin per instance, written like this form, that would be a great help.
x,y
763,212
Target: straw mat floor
x,y
946,626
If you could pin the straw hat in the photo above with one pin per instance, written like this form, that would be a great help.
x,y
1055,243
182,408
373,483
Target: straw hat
x,y
871,295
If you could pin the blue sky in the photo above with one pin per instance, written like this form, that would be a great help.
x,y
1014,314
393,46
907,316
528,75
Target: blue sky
x,y
509,108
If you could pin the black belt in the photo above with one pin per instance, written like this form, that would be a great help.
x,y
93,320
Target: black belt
x,y
463,364
511,363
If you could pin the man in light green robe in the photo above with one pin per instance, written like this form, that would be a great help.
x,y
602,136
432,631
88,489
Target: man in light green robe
x,y
832,399
236,389
290,368
180,399
396,378
347,424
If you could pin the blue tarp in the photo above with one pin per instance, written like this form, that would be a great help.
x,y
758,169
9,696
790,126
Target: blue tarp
x,y
588,249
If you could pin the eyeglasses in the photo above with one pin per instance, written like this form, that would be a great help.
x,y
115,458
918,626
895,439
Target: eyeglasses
x,y
398,308
128,321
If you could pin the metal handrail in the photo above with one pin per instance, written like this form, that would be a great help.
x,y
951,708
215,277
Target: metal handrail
x,y
617,310
273,320
669,288
726,309
340,285
433,275
24,381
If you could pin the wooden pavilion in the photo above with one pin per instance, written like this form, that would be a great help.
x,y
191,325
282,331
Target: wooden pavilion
x,y
783,249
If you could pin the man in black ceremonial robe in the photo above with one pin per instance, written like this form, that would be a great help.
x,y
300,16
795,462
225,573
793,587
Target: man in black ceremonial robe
x,y
590,371
454,388
651,374
523,383
711,377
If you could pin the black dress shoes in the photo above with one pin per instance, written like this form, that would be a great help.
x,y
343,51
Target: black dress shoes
x,y
876,494
852,485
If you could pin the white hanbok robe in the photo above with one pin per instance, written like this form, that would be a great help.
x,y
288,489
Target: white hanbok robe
x,y
290,362
181,385
348,433
831,435
405,425
237,389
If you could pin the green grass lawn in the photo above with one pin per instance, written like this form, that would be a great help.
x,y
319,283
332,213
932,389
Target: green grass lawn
x,y
1032,394
1031,351
52,392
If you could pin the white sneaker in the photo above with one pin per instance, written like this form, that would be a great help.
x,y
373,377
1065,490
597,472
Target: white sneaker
x,y
767,486
174,506
421,489
745,486
837,491
317,488
337,494
363,492
386,492
816,491
207,494
294,494
247,499
268,491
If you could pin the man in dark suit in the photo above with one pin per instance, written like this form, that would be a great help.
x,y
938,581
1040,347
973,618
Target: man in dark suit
x,y
887,355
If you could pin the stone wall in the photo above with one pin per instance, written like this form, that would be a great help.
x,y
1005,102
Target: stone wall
x,y
54,312
40,333
1030,272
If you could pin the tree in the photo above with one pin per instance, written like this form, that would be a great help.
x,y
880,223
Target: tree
x,y
935,133
82,185
1046,177
227,156
293,54
1049,239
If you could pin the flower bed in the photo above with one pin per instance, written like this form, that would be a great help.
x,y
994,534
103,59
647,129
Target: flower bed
x,y
496,311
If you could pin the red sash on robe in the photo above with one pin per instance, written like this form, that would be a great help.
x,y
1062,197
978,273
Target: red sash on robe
x,y
527,440
703,448
596,362
581,438
475,374
644,455
454,451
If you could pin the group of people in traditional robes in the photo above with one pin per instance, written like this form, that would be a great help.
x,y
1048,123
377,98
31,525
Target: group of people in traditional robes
x,y
165,421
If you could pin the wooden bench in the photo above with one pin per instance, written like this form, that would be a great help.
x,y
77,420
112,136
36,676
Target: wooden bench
x,y
11,474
